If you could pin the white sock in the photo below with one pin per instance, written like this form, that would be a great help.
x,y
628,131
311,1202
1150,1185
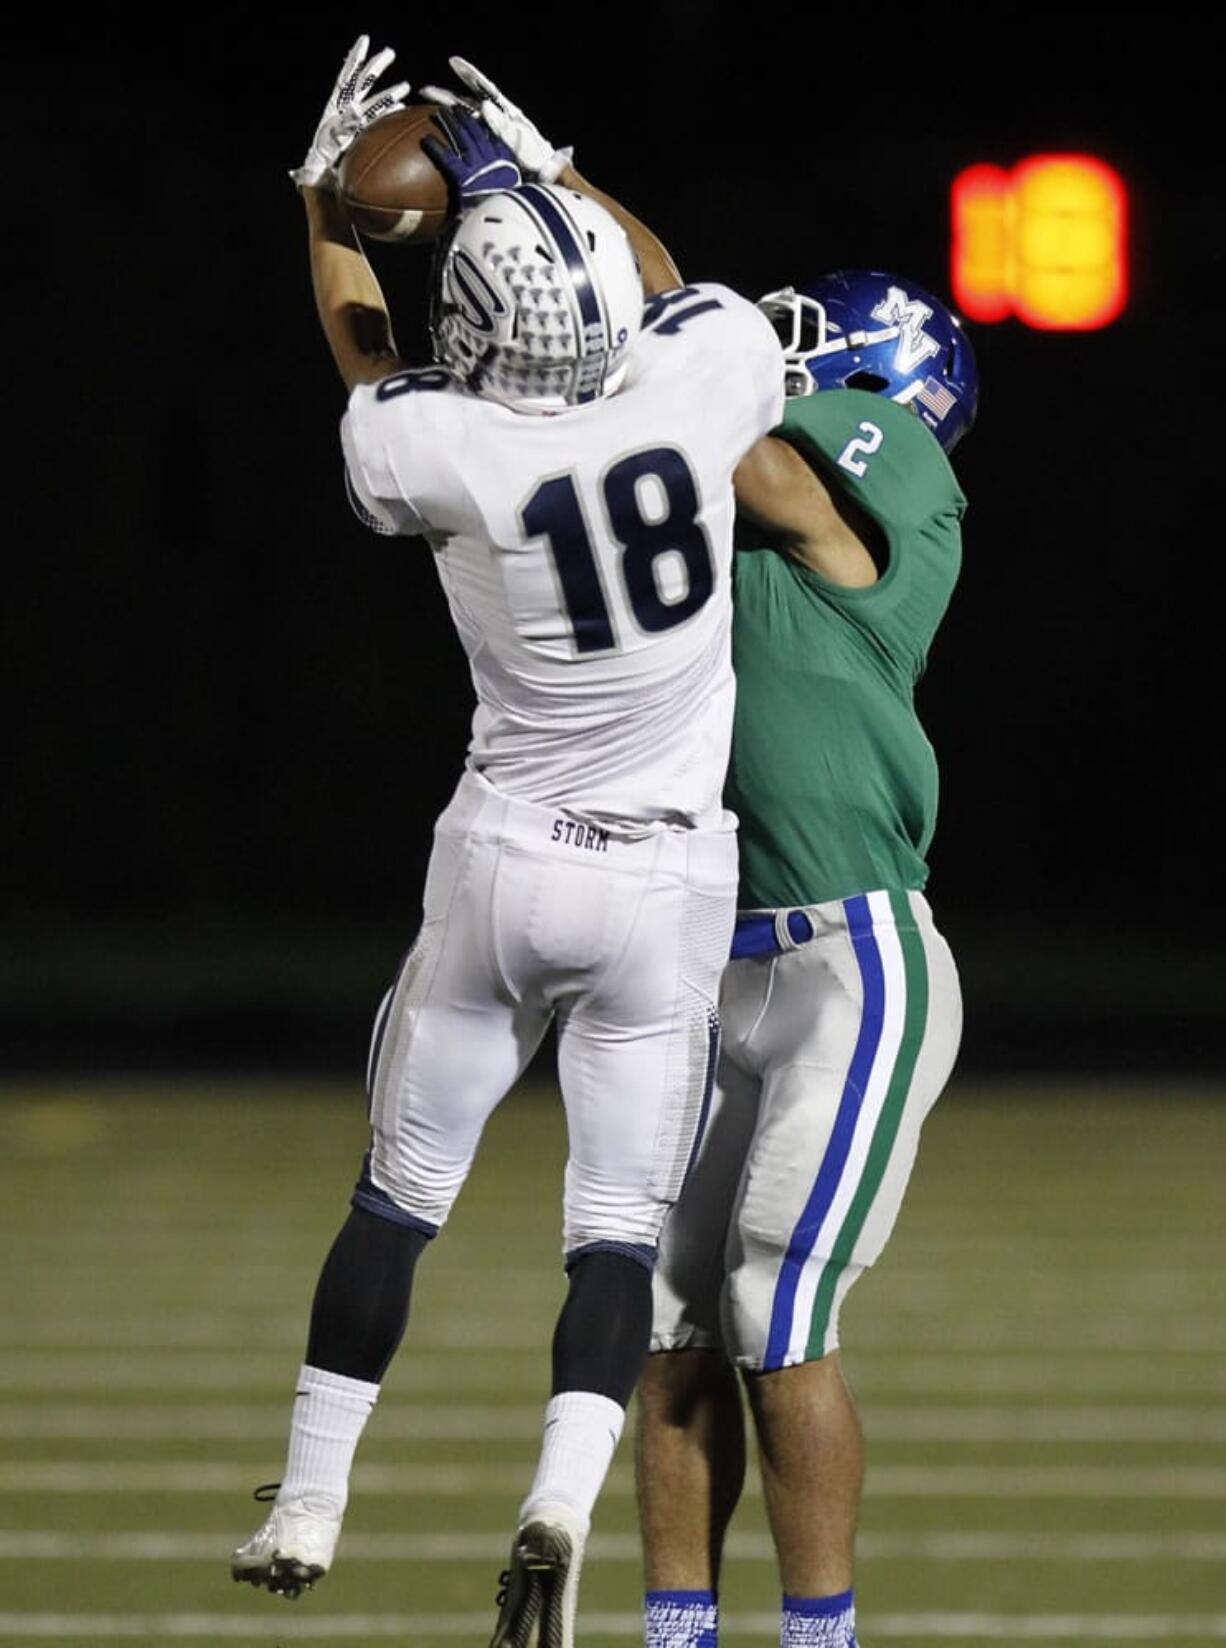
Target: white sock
x,y
330,1414
581,1432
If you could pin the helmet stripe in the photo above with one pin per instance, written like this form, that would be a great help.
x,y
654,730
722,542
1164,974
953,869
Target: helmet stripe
x,y
555,220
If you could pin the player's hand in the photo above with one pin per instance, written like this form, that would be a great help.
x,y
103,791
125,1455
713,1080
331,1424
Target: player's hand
x,y
535,153
354,103
479,163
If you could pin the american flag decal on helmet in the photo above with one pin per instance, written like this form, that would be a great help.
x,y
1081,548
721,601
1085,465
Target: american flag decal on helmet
x,y
935,397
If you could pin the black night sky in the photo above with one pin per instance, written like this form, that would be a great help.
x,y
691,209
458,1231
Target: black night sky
x,y
233,714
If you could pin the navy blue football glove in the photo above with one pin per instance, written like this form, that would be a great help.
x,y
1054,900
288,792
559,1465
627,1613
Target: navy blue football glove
x,y
480,163
538,159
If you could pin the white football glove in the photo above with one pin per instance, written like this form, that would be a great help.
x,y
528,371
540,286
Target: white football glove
x,y
536,155
351,106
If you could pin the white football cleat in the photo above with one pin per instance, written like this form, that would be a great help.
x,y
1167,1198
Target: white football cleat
x,y
540,1588
292,1549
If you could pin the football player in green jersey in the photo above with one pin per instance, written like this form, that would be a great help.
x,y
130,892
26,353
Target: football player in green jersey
x,y
841,1005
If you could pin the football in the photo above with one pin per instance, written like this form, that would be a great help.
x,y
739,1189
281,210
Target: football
x,y
390,186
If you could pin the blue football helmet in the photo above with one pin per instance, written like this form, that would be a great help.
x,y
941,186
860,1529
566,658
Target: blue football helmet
x,y
862,329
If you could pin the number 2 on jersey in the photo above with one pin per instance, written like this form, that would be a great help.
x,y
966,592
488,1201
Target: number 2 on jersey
x,y
555,513
867,442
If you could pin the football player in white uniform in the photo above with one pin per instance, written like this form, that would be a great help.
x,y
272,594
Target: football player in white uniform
x,y
569,459
841,1006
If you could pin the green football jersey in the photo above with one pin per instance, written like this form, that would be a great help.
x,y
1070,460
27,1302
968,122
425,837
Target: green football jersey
x,y
832,776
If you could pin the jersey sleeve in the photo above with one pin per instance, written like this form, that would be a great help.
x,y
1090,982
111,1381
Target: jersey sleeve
x,y
727,352
400,439
371,487
756,354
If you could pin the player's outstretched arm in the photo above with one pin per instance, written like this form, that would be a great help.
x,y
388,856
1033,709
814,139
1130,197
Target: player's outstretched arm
x,y
351,307
779,491
348,297
539,159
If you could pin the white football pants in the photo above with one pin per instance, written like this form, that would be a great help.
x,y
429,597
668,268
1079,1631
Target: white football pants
x,y
531,915
833,1054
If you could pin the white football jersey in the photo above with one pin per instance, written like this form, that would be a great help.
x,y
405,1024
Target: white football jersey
x,y
586,556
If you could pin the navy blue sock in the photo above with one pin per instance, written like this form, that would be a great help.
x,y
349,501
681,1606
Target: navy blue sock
x,y
362,1297
600,1342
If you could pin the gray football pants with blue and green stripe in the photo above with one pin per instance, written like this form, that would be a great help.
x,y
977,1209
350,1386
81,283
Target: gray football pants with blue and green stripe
x,y
833,1054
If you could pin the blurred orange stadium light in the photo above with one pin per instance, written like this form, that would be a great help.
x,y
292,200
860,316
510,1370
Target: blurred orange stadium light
x,y
1045,243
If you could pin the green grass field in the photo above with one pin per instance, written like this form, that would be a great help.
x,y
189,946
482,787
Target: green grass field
x,y
1041,1359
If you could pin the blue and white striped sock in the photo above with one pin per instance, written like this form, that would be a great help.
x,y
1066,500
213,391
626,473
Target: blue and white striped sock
x,y
681,1619
819,1622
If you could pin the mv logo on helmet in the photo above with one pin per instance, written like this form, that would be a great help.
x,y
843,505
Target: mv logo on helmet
x,y
477,299
909,315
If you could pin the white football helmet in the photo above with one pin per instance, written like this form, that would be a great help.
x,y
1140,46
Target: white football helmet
x,y
538,299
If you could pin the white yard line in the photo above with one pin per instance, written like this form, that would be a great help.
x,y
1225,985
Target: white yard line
x,y
1055,1481
393,1421
1029,1373
1089,1423
85,1370
933,1482
419,1627
426,1421
523,1365
242,1365
1075,1628
954,1545
1074,1332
